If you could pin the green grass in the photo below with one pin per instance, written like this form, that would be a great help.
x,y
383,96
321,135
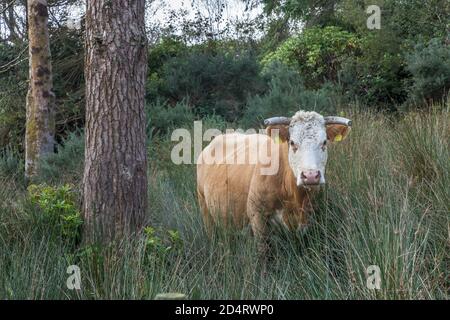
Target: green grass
x,y
387,203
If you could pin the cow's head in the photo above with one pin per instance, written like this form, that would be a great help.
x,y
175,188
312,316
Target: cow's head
x,y
308,135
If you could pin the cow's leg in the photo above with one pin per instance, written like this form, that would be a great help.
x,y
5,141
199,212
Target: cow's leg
x,y
258,222
207,219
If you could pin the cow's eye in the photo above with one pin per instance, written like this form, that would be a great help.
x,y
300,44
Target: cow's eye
x,y
324,145
293,146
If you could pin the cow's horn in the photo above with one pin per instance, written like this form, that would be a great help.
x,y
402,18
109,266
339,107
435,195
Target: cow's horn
x,y
338,120
277,120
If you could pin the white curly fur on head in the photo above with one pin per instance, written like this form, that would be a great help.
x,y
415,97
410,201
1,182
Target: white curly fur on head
x,y
307,131
307,116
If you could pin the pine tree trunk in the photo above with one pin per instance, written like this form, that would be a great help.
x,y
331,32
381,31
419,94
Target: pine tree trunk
x,y
40,123
115,175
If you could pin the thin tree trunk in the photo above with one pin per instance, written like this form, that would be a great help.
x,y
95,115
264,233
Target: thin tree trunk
x,y
26,18
115,175
12,24
40,122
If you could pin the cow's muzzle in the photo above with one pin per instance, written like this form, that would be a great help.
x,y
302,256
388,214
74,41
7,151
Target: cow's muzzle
x,y
310,177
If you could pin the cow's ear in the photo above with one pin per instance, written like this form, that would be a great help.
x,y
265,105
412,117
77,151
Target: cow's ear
x,y
337,132
278,133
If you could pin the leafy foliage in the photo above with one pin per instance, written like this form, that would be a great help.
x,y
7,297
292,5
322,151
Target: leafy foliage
x,y
162,117
408,20
286,95
217,83
379,76
164,50
375,76
316,53
429,65
314,12
59,208
160,242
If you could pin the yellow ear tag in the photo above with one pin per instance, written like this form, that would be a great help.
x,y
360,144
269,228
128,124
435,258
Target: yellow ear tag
x,y
338,138
277,140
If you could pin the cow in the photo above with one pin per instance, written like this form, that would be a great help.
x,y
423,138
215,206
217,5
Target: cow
x,y
278,189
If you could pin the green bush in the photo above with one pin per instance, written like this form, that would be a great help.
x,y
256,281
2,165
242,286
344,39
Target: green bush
x,y
411,19
161,242
374,77
214,83
159,54
214,121
162,117
316,53
429,65
59,208
167,48
286,95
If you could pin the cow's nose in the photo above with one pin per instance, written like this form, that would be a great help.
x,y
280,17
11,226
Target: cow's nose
x,y
310,176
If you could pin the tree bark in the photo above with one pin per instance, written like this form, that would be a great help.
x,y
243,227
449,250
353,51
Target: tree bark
x,y
40,105
115,173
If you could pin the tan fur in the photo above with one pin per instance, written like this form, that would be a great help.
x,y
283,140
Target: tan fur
x,y
240,191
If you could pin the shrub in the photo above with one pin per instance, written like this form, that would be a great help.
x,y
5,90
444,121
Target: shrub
x,y
215,83
214,121
166,49
59,209
429,65
286,95
375,76
161,242
161,117
160,54
316,53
